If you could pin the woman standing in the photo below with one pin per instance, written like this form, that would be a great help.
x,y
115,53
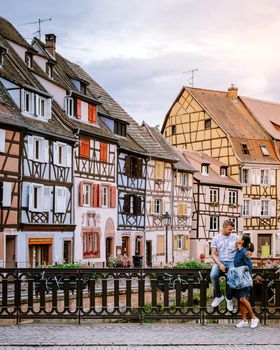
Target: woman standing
x,y
242,294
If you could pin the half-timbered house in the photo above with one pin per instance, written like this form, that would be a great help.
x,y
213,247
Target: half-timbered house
x,y
216,197
220,124
45,202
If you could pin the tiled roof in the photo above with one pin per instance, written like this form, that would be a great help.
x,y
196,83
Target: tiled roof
x,y
10,33
198,158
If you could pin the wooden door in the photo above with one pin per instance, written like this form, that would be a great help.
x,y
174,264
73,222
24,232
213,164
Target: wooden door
x,y
10,251
109,247
67,252
149,253
264,245
126,246
39,255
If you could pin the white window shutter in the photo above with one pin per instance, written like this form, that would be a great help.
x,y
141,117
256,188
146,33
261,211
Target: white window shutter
x,y
2,140
47,198
163,206
69,156
30,147
7,194
189,209
22,105
272,208
152,206
179,175
60,199
49,108
272,177
31,197
45,144
259,207
55,153
37,105
253,176
258,176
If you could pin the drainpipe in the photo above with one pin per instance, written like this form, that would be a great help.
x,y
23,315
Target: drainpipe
x,y
76,134
172,213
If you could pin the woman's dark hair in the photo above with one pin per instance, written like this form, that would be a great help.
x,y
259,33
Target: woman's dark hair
x,y
247,241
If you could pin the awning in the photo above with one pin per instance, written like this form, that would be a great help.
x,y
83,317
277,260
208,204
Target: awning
x,y
40,241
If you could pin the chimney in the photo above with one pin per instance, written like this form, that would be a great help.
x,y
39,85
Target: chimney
x,y
50,43
233,92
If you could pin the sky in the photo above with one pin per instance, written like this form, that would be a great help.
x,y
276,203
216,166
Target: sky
x,y
140,50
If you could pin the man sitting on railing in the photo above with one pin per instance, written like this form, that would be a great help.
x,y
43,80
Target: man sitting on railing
x,y
223,251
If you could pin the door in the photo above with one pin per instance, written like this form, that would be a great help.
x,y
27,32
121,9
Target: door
x,y
109,247
67,252
10,251
39,255
149,253
264,245
126,246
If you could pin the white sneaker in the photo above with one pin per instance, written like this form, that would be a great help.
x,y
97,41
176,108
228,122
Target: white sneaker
x,y
255,322
229,304
242,324
216,302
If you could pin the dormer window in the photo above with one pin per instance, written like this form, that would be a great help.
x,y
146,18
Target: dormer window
x,y
29,59
43,107
3,52
28,102
264,150
49,70
245,148
223,171
83,88
120,128
205,169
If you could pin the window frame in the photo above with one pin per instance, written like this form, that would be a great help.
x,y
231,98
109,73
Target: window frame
x,y
185,182
211,222
207,124
214,192
235,224
49,70
28,59
248,176
264,213
69,106
173,129
233,194
264,177
157,206
180,242
245,148
225,169
87,186
247,208
206,167
31,102
265,151
104,189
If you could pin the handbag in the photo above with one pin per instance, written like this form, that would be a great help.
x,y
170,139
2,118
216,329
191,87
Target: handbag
x,y
240,277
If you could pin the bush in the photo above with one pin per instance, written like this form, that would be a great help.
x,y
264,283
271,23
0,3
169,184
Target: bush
x,y
192,264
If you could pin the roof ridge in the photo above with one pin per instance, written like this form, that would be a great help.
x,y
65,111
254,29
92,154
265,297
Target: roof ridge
x,y
204,89
260,100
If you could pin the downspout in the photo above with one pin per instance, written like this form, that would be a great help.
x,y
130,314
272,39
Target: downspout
x,y
172,213
76,134
198,209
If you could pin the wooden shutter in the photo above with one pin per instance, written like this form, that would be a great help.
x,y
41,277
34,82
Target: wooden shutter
x,y
96,196
31,197
126,203
175,242
127,166
60,199
113,193
186,242
178,179
163,206
47,198
253,176
2,140
7,194
181,208
81,197
137,205
103,152
190,180
30,147
78,108
84,148
258,176
152,206
159,171
139,169
68,156
160,244
55,153
92,113
272,177
272,208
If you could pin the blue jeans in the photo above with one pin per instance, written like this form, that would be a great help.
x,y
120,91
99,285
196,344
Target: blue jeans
x,y
215,275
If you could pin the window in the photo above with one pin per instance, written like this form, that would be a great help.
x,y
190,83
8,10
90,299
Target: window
x,y
264,177
103,152
134,166
245,148
2,140
173,129
86,194
264,150
83,88
180,240
36,197
207,124
232,197
6,193
246,208
28,102
214,195
157,206
159,170
49,70
182,209
132,204
84,148
104,196
3,52
62,154
234,221
214,223
91,244
184,179
120,128
69,106
43,107
37,149
204,169
29,59
264,208
245,176
223,171
91,113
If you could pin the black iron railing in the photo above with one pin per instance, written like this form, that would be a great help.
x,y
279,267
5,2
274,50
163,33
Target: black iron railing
x,y
131,294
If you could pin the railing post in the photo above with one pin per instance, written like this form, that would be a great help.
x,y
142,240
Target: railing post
x,y
79,295
17,296
141,291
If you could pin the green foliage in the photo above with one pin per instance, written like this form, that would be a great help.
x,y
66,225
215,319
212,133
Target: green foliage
x,y
192,264
66,266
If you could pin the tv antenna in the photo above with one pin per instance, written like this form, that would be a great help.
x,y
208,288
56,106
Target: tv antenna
x,y
192,75
40,20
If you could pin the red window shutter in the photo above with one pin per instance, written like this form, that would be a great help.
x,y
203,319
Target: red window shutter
x,y
113,193
95,196
79,108
103,152
84,148
92,113
81,197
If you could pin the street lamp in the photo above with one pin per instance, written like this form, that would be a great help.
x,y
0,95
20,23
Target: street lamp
x,y
166,218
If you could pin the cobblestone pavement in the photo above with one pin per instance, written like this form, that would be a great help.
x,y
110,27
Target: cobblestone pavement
x,y
134,336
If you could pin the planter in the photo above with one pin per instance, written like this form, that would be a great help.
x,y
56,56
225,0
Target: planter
x,y
137,260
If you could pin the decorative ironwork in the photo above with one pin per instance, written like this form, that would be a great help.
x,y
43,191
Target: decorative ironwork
x,y
126,293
